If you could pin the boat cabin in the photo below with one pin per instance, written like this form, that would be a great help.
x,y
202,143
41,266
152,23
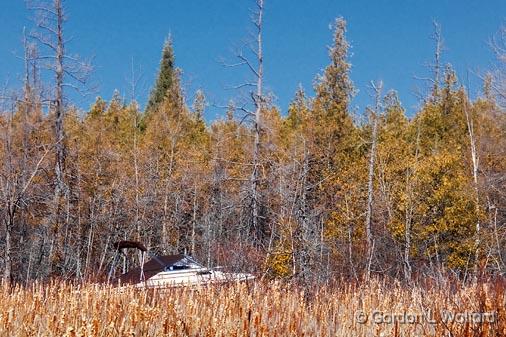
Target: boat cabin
x,y
160,264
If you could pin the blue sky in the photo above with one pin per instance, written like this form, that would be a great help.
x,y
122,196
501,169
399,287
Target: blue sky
x,y
389,38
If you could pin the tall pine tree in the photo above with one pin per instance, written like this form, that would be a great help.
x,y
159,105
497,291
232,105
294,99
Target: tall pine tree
x,y
166,75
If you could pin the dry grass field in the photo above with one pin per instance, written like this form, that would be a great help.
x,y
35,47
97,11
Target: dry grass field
x,y
256,309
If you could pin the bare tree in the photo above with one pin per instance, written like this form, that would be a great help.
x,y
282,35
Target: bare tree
x,y
18,170
498,83
133,81
13,184
475,162
258,100
410,207
256,68
69,72
374,113
435,67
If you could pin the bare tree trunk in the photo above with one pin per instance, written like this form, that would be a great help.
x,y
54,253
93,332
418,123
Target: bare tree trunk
x,y
436,67
165,224
209,236
194,220
308,253
407,236
136,168
59,182
258,101
372,156
7,275
475,161
89,245
497,241
58,105
80,227
350,238
409,211
8,190
133,88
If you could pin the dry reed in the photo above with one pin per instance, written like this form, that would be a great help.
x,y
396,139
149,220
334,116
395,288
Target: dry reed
x,y
256,309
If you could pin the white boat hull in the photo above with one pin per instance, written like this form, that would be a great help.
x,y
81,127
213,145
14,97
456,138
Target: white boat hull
x,y
192,277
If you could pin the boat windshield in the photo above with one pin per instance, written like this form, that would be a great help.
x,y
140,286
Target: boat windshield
x,y
183,264
177,267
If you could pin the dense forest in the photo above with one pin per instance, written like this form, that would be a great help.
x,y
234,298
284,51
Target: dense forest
x,y
312,194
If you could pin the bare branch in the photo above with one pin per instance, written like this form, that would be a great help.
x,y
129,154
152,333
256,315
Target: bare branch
x,y
240,86
232,65
248,63
42,41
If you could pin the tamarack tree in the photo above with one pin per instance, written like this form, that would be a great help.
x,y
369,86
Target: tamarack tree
x,y
309,195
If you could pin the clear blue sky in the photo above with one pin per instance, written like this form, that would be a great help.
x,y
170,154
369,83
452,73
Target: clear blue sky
x,y
389,38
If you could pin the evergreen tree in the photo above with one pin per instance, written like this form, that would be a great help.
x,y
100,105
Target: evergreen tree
x,y
166,76
335,88
297,111
333,123
199,105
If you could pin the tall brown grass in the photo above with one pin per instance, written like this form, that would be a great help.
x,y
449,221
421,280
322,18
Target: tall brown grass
x,y
255,309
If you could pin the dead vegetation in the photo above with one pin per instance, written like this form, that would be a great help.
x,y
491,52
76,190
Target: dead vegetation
x,y
256,309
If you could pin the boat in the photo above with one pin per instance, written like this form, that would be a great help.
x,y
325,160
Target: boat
x,y
180,270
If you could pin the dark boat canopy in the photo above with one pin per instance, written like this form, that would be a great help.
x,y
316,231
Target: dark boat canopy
x,y
130,244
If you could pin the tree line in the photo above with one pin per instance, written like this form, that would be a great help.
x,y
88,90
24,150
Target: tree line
x,y
310,194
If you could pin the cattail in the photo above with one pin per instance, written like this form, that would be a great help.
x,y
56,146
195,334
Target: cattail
x,y
264,309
